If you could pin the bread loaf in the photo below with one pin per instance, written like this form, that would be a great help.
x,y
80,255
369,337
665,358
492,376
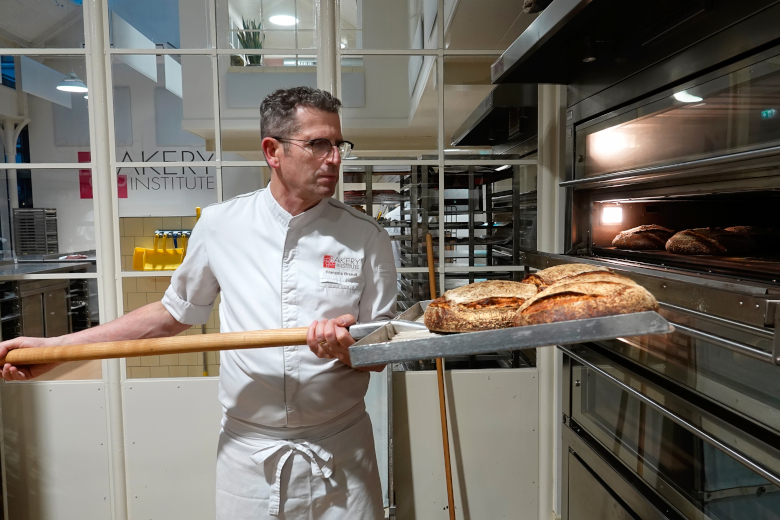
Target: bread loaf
x,y
478,306
711,241
765,240
590,295
551,275
645,238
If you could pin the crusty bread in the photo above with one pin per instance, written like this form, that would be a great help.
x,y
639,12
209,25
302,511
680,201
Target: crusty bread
x,y
711,241
764,240
590,295
646,238
551,275
478,306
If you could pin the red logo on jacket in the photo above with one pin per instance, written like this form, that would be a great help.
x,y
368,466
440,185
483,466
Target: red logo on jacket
x,y
328,262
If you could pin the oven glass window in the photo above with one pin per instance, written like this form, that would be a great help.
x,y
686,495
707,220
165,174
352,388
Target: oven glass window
x,y
737,112
746,385
690,473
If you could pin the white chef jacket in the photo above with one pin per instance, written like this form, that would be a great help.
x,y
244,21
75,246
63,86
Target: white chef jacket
x,y
275,270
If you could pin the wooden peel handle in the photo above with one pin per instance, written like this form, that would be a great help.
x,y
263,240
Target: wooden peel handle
x,y
158,346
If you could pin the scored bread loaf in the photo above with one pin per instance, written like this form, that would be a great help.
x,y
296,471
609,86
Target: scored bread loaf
x,y
645,238
711,241
551,275
589,295
478,306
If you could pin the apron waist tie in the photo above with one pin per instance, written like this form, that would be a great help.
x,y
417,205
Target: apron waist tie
x,y
320,459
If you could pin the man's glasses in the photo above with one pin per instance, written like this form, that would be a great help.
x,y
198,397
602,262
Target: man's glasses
x,y
322,147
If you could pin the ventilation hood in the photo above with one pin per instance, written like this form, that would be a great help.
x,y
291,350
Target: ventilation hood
x,y
507,113
596,43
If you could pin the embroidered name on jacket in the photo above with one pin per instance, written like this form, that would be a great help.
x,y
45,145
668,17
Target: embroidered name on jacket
x,y
339,262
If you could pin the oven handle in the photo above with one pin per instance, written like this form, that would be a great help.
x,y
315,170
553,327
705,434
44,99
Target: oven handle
x,y
680,421
721,159
734,346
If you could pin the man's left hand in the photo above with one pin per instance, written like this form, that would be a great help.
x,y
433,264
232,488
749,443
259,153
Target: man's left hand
x,y
331,339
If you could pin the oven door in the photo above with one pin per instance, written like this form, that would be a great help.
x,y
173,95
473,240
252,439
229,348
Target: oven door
x,y
697,462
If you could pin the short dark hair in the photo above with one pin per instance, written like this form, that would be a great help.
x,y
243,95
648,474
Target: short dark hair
x,y
277,111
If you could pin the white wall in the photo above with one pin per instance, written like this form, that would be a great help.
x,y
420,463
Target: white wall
x,y
55,450
493,431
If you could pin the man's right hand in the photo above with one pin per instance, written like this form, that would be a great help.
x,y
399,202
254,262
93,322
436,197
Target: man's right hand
x,y
26,372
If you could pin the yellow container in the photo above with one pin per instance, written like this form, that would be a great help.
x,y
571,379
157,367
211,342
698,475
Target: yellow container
x,y
157,259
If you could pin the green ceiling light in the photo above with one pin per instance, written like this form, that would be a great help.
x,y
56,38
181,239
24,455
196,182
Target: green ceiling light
x,y
72,83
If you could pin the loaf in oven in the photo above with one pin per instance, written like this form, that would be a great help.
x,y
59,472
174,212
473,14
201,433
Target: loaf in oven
x,y
478,306
588,295
645,238
713,241
551,275
765,240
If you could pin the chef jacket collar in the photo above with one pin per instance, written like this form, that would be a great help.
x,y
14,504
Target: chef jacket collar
x,y
286,219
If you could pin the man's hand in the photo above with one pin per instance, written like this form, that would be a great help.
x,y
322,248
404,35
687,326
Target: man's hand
x,y
330,339
26,372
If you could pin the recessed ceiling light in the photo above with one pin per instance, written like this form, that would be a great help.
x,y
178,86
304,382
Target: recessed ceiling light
x,y
685,97
283,19
72,83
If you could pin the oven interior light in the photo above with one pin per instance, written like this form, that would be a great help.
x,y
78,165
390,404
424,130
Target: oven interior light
x,y
685,97
610,143
612,215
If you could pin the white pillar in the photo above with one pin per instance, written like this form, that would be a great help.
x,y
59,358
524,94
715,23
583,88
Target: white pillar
x,y
327,44
550,204
104,186
9,140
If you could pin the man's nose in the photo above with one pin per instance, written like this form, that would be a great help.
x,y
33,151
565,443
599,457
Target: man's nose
x,y
334,156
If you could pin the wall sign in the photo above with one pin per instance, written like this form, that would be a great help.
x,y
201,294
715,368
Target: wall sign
x,y
85,179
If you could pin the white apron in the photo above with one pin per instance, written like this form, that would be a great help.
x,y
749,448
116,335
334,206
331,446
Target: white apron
x,y
324,473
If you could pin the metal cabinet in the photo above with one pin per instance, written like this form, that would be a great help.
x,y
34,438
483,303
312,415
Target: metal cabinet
x,y
44,305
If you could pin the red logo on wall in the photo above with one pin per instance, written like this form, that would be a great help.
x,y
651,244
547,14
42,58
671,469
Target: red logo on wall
x,y
85,179
328,262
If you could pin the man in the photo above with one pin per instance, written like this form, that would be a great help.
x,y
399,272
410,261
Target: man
x,y
296,441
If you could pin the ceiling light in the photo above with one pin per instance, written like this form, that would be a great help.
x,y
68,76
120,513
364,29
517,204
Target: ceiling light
x,y
283,19
685,97
72,83
504,167
86,96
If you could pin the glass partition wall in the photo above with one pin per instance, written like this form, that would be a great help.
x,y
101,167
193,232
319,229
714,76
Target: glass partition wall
x,y
183,86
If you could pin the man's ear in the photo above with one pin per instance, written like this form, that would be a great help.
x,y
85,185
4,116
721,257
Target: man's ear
x,y
271,150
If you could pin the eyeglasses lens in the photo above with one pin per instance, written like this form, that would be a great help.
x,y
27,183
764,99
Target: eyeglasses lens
x,y
322,147
345,149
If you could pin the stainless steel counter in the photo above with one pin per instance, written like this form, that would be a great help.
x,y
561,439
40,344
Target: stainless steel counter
x,y
11,269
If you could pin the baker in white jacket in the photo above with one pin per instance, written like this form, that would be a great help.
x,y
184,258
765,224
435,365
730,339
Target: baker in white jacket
x,y
296,442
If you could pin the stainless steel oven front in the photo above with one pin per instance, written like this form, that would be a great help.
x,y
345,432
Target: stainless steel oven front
x,y
679,454
685,425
